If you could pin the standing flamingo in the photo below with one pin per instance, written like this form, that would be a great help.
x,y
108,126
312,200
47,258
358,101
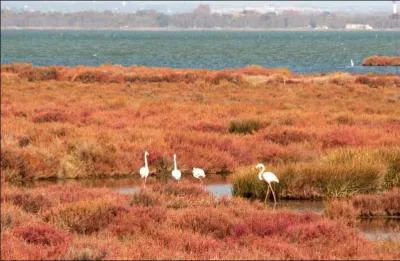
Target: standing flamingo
x,y
144,171
176,173
198,174
267,177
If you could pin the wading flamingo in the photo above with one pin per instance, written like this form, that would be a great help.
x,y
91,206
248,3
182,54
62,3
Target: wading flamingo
x,y
267,177
198,174
176,173
144,171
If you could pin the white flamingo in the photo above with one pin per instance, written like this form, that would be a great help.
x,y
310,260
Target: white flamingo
x,y
268,177
144,171
176,173
198,174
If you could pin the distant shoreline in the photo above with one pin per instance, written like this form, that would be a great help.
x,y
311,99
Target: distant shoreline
x,y
200,29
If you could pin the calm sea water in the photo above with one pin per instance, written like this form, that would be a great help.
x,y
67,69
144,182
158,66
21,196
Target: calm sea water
x,y
299,51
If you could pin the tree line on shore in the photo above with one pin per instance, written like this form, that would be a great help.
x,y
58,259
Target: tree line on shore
x,y
202,17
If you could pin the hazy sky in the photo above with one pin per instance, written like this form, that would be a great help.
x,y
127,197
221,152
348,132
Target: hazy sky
x,y
187,6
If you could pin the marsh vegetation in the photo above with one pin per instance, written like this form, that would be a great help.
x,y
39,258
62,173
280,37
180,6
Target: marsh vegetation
x,y
326,136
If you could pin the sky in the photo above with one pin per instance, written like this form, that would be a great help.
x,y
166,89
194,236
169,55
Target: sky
x,y
189,6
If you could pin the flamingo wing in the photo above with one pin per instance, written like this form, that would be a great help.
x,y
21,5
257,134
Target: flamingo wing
x,y
144,172
197,173
270,177
176,174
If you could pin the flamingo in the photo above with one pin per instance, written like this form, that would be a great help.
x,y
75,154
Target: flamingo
x,y
144,171
176,173
198,174
268,177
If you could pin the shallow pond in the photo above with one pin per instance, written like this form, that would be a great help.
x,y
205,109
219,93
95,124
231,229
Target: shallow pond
x,y
371,228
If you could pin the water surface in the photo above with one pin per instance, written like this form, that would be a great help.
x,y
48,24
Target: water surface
x,y
302,52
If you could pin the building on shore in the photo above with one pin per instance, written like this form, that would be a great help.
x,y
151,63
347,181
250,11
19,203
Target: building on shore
x,y
358,27
323,27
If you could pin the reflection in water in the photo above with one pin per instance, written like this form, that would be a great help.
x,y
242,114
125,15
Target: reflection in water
x,y
302,205
127,190
380,228
372,228
220,190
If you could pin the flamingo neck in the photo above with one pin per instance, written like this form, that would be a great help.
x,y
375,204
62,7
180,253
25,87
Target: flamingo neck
x,y
145,160
261,172
175,168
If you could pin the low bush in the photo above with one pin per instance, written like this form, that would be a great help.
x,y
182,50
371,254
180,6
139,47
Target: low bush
x,y
381,61
40,241
138,220
29,202
12,216
288,136
342,137
244,126
266,224
39,73
84,217
375,82
341,209
218,77
345,119
146,199
50,115
20,165
88,158
205,221
366,205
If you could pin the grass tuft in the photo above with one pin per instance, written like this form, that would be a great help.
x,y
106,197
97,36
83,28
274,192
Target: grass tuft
x,y
244,126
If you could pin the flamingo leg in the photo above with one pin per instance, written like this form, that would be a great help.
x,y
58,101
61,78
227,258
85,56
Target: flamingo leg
x,y
273,193
266,195
144,184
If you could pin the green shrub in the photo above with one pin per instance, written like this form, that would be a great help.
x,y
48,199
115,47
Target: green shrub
x,y
392,177
244,127
389,158
311,180
246,184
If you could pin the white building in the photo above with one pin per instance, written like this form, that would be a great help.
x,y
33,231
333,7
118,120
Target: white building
x,y
324,27
358,27
394,8
237,10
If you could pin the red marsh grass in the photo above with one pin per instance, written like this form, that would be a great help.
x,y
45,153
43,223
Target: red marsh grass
x,y
74,122
330,135
118,226
365,205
